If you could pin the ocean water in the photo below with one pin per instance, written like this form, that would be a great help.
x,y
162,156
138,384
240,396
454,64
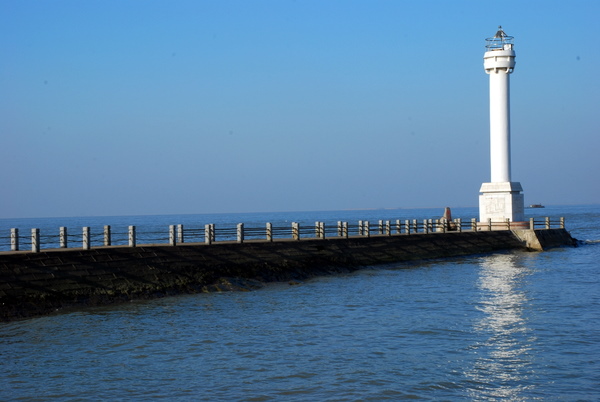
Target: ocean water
x,y
516,326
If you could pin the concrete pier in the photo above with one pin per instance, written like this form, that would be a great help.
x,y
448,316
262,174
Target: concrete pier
x,y
38,283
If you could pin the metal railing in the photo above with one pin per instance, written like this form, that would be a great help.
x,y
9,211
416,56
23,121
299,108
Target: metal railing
x,y
210,233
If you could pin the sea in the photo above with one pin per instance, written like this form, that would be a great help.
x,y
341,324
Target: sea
x,y
507,326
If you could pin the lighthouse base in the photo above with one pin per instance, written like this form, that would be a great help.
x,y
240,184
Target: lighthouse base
x,y
501,201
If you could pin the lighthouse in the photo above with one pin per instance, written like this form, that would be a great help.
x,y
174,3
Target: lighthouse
x,y
501,198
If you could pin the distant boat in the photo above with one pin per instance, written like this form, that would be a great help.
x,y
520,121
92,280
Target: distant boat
x,y
536,206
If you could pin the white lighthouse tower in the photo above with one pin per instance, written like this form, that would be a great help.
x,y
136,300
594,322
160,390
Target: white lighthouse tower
x,y
501,199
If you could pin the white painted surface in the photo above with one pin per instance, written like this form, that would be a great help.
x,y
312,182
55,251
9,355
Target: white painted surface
x,y
499,127
500,199
498,65
501,206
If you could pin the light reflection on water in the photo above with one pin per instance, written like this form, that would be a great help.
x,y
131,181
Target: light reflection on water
x,y
503,358
510,326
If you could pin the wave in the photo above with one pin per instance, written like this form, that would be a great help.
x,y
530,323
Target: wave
x,y
587,242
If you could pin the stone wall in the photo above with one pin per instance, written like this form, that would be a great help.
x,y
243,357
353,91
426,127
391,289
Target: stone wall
x,y
39,283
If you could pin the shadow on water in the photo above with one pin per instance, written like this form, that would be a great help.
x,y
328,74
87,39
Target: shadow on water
x,y
502,368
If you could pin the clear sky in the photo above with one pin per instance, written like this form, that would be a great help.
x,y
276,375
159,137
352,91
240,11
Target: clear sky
x,y
166,107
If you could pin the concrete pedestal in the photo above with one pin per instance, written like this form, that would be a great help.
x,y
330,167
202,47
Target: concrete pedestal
x,y
499,201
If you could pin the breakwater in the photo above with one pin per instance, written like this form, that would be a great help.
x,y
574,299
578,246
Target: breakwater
x,y
41,281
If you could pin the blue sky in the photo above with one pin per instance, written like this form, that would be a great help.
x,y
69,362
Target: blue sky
x,y
167,107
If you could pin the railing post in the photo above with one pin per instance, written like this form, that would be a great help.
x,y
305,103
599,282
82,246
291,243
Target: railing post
x,y
547,222
172,236
207,234
269,231
345,229
474,224
180,235
62,237
131,235
367,230
380,227
86,238
415,226
339,229
318,229
295,231
35,240
531,223
388,228
507,223
425,226
360,228
14,239
459,224
398,226
490,224
240,232
107,239
562,222
322,228
407,226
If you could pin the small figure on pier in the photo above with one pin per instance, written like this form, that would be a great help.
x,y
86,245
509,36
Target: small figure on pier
x,y
446,219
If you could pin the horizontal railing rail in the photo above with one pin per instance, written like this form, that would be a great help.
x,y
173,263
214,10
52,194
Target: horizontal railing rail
x,y
85,238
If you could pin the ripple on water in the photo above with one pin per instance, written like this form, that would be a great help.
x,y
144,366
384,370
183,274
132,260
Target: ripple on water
x,y
515,326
